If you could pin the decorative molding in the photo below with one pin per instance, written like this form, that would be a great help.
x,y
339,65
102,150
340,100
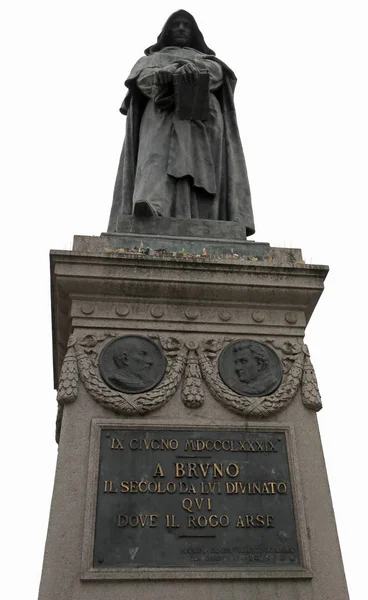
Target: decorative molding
x,y
310,391
196,364
291,317
68,382
191,313
258,316
225,315
122,310
157,311
88,308
84,354
192,393
293,360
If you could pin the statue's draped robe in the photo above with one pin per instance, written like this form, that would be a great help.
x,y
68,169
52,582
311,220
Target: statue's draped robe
x,y
181,168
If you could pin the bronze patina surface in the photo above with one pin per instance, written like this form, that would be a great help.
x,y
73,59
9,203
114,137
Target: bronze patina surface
x,y
250,368
132,364
182,155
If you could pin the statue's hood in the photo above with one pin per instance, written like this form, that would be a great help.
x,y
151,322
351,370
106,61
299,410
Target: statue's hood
x,y
197,41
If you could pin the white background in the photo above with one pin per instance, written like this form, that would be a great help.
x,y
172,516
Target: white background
x,y
302,108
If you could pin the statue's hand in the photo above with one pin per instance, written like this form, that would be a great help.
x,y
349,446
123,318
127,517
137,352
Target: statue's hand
x,y
189,73
163,77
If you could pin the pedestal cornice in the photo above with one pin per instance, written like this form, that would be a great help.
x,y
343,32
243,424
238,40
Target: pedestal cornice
x,y
101,288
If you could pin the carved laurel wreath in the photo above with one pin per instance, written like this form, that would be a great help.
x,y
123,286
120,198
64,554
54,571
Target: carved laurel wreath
x,y
197,363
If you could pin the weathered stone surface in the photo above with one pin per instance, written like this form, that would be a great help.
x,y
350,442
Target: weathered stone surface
x,y
168,242
204,284
187,228
202,303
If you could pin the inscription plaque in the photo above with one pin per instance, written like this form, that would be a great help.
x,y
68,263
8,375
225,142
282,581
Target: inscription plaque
x,y
182,498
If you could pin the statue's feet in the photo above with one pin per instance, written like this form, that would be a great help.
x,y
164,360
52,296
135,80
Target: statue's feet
x,y
144,209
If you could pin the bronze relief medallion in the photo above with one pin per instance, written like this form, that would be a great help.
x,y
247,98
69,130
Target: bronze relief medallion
x,y
250,368
132,364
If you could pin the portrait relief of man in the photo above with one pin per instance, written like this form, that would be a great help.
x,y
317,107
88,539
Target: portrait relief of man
x,y
179,167
132,364
251,368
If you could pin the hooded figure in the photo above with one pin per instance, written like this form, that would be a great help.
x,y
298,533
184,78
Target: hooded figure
x,y
174,167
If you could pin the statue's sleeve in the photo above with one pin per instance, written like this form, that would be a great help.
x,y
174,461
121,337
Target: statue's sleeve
x,y
146,79
146,68
213,68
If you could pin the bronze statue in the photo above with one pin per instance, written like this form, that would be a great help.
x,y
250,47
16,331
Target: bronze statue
x,y
182,156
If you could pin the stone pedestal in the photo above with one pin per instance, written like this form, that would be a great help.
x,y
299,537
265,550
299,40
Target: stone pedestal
x,y
191,303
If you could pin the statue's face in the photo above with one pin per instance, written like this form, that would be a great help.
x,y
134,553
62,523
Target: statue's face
x,y
135,361
181,31
247,367
139,362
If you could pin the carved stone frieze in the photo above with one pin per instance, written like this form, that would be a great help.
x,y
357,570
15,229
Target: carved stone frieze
x,y
85,354
225,315
258,316
293,359
194,363
310,392
68,382
192,392
88,308
191,313
122,310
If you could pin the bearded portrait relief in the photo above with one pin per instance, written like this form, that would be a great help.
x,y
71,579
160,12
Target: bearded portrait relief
x,y
132,364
